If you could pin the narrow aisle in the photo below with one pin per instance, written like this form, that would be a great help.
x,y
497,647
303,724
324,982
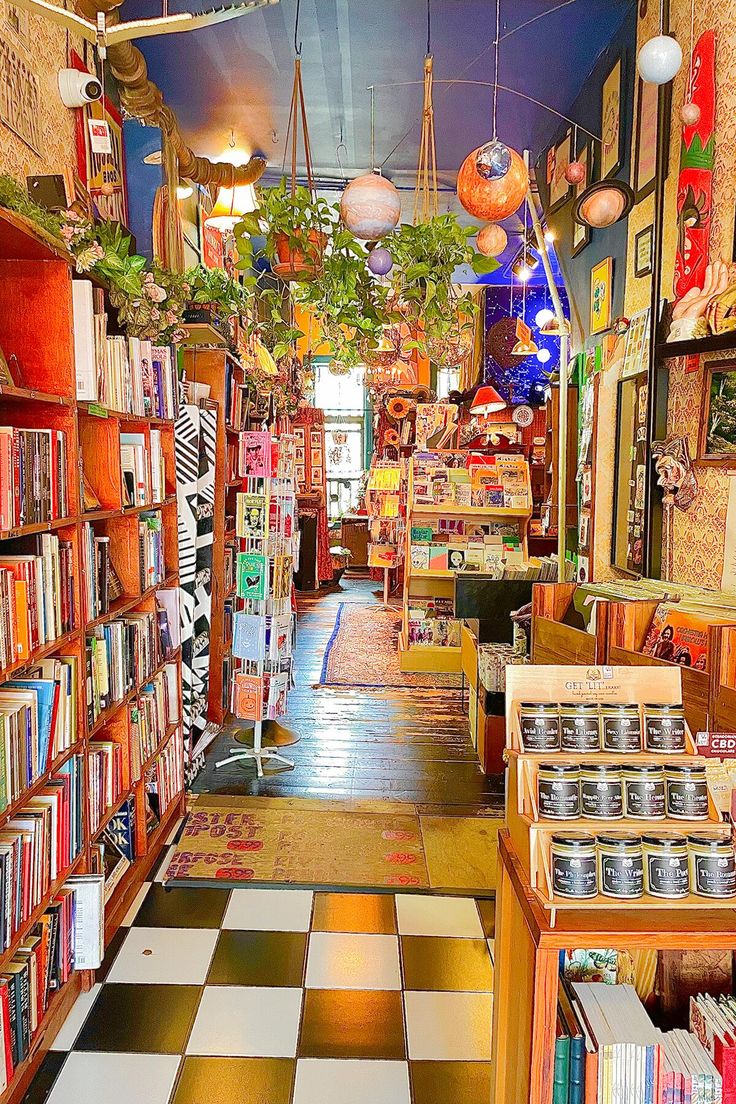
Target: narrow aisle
x,y
257,996
401,744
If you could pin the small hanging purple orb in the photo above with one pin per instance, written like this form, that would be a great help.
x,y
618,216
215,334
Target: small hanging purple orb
x,y
575,172
380,261
690,114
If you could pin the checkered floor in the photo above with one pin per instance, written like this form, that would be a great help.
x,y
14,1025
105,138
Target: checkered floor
x,y
259,996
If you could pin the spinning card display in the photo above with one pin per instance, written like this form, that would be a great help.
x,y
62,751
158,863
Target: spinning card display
x,y
249,636
251,516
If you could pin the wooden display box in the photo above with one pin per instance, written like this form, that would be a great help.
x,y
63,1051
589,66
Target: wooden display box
x,y
554,642
723,679
628,624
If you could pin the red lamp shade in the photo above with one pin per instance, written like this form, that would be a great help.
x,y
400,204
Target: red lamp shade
x,y
487,399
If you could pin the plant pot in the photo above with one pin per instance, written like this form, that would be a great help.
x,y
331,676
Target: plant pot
x,y
296,264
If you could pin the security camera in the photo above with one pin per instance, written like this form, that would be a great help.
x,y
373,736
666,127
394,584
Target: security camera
x,y
77,89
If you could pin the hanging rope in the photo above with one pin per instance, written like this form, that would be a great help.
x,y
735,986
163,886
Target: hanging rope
x,y
426,201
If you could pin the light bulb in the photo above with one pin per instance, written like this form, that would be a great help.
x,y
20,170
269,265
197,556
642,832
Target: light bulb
x,y
549,236
524,273
543,316
543,356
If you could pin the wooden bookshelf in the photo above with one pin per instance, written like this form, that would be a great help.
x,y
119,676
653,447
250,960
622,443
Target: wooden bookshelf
x,y
36,276
210,366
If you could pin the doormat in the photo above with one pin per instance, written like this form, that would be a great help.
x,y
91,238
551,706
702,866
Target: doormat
x,y
363,652
379,845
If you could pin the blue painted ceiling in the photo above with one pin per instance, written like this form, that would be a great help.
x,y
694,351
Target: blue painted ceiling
x,y
235,79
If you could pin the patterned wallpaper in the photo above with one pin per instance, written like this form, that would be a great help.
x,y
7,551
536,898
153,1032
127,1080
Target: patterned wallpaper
x,y
44,47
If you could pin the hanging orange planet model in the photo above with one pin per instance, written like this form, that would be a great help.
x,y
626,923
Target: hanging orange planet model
x,y
492,200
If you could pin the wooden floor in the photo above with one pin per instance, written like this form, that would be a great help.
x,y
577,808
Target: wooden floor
x,y
392,744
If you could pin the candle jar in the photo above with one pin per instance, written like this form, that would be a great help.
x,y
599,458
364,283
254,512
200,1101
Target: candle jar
x,y
712,865
579,726
558,791
664,729
644,791
620,865
687,791
601,792
666,866
574,865
540,726
620,728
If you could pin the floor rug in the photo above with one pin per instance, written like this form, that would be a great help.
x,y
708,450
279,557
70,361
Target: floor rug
x,y
363,652
380,845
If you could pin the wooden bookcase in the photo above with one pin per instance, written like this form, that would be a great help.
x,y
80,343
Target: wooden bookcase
x,y
209,366
428,583
36,325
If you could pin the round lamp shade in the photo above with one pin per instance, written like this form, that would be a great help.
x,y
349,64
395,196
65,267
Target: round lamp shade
x,y
487,400
604,203
492,200
543,316
492,240
659,59
370,206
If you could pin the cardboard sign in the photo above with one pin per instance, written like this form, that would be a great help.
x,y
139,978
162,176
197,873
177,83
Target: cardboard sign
x,y
99,136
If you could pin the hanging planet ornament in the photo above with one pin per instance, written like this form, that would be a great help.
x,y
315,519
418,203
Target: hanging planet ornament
x,y
690,114
492,200
575,172
659,59
370,206
493,160
491,240
380,261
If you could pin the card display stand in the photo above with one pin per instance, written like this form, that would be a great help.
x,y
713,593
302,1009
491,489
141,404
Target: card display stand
x,y
36,329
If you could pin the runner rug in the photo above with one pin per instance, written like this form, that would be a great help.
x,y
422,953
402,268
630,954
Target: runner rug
x,y
381,845
363,652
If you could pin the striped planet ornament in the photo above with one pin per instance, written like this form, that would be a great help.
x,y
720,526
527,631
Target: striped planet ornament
x,y
370,207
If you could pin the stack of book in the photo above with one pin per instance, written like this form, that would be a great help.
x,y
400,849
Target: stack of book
x,y
134,465
36,595
125,374
152,711
120,655
152,569
713,1021
237,401
33,476
37,845
38,721
104,778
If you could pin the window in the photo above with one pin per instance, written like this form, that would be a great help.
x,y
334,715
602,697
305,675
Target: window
x,y
343,400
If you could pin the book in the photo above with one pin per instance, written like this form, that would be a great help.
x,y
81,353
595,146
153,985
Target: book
x,y
252,575
251,516
85,349
249,636
135,469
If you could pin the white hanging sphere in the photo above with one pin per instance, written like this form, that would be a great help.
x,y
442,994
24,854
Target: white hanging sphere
x,y
659,59
543,316
543,356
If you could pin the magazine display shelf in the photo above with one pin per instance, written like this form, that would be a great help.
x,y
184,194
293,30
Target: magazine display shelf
x,y
531,835
424,583
526,966
36,284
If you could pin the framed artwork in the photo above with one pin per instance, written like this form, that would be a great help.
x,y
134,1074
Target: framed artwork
x,y
718,421
559,189
645,148
643,243
581,231
601,289
611,122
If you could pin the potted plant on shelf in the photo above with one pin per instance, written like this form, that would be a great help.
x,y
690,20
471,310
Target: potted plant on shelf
x,y
296,226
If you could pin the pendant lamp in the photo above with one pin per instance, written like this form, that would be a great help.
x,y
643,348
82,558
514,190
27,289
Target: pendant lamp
x,y
524,348
230,206
487,400
552,328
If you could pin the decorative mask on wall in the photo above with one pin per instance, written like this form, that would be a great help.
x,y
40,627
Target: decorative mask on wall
x,y
675,472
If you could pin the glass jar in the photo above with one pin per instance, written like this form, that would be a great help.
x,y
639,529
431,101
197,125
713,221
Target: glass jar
x,y
579,726
666,866
687,791
712,865
620,865
664,729
540,726
558,791
644,791
601,792
620,728
574,865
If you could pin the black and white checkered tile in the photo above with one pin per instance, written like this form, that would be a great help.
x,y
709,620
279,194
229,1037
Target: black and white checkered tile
x,y
281,996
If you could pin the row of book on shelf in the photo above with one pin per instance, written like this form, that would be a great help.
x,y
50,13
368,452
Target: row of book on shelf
x,y
125,374
607,1048
431,622
499,482
36,595
34,476
101,582
143,469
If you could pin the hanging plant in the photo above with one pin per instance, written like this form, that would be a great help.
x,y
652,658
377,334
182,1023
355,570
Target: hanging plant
x,y
296,226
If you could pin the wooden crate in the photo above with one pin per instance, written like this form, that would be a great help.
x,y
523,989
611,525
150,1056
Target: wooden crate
x,y
554,642
723,679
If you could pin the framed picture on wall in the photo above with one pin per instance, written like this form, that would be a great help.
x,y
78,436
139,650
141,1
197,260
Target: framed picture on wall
x,y
643,243
601,291
718,420
559,189
581,231
645,147
611,122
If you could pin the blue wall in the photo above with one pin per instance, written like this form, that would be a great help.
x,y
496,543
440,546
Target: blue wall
x,y
143,181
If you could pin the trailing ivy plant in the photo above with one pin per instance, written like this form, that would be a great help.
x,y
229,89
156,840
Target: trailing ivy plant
x,y
15,197
303,220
